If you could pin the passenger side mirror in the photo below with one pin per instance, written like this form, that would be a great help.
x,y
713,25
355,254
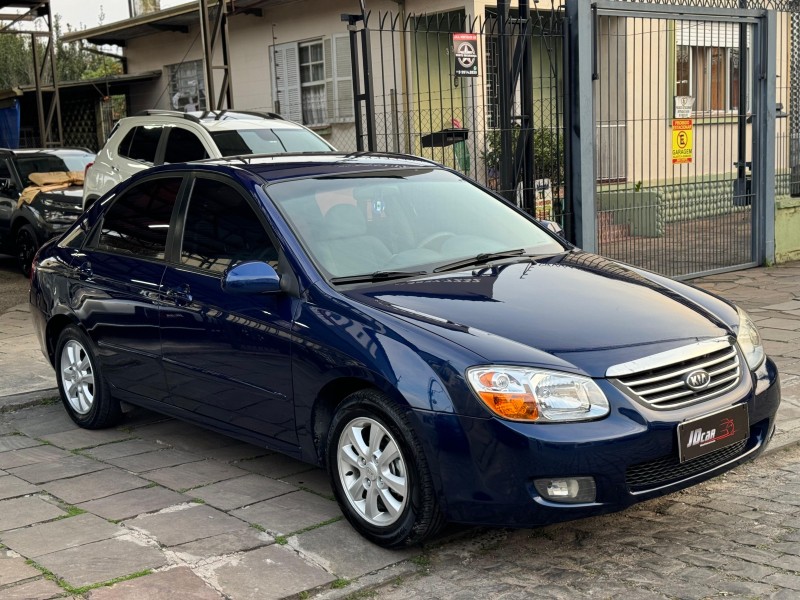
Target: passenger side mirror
x,y
7,185
254,277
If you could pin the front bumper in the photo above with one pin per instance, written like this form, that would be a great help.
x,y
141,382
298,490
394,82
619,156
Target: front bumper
x,y
486,467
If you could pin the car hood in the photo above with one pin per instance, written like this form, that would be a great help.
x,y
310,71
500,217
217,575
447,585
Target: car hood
x,y
586,310
68,201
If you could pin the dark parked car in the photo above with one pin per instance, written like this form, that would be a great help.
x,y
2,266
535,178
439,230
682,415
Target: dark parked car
x,y
437,350
24,226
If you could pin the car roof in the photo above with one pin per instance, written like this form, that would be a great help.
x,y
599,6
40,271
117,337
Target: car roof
x,y
215,121
277,167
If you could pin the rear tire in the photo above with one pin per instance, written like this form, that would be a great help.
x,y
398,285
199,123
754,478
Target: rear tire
x,y
25,246
379,473
84,390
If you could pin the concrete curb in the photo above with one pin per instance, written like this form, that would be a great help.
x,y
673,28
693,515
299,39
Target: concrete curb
x,y
27,399
782,440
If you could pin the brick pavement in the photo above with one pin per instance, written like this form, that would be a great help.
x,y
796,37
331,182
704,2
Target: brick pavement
x,y
734,537
176,511
166,506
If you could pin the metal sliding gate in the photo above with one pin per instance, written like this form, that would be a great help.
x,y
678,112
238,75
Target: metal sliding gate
x,y
682,171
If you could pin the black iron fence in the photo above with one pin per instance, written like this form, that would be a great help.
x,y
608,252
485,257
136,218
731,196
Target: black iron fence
x,y
440,88
488,95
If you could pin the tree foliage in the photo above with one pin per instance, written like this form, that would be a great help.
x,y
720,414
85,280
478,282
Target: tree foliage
x,y
15,67
73,62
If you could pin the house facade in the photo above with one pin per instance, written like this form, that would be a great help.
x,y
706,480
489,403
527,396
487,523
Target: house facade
x,y
294,57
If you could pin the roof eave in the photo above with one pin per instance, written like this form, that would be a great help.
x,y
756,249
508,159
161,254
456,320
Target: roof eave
x,y
105,34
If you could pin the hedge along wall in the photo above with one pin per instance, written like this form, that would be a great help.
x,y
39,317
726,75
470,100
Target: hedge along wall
x,y
648,209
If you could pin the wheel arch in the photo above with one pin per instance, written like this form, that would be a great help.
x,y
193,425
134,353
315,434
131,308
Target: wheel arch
x,y
20,220
55,326
331,395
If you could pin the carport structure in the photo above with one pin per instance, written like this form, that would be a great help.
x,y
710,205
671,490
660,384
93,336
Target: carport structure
x,y
20,22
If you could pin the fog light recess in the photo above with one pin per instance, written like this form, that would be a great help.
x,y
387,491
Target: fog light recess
x,y
567,490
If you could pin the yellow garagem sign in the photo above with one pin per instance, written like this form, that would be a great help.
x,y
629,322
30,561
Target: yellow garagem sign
x,y
681,141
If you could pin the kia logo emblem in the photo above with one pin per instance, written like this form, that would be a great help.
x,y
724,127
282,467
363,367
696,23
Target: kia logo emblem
x,y
697,380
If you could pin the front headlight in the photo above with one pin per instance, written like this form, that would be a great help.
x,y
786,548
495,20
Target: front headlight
x,y
58,217
749,341
521,394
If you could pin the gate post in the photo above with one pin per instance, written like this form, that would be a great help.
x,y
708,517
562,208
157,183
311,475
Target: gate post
x,y
580,125
360,97
764,111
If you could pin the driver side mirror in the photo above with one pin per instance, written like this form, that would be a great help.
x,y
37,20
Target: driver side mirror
x,y
254,277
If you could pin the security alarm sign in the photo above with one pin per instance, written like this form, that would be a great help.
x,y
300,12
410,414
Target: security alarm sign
x,y
681,141
465,49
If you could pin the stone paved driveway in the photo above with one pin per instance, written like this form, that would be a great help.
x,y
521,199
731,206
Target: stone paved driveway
x,y
179,512
168,507
735,537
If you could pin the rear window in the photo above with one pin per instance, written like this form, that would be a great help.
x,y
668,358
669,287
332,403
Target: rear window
x,y
141,143
267,141
138,222
50,163
183,146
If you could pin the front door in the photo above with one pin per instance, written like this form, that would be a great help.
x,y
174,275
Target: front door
x,y
227,356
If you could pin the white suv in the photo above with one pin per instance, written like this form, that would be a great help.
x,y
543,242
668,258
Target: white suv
x,y
155,137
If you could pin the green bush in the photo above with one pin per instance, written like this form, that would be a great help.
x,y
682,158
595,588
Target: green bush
x,y
548,148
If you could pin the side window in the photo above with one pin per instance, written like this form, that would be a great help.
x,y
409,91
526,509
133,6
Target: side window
x,y
222,229
138,221
183,146
5,173
143,143
124,146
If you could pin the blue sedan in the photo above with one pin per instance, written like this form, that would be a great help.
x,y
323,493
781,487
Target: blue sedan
x,y
442,354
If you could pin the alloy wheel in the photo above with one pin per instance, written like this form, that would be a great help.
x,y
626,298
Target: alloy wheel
x,y
372,471
77,377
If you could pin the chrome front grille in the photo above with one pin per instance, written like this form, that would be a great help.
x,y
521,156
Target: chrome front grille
x,y
660,381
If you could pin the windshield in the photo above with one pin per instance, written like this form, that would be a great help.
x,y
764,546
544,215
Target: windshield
x,y
51,163
267,141
404,220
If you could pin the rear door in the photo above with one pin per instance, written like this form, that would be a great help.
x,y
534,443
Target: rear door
x,y
227,356
118,297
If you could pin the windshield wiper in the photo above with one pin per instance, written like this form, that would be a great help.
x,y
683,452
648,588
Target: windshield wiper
x,y
376,276
479,259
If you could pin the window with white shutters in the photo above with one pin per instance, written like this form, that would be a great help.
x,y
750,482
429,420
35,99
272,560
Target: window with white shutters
x,y
707,65
286,81
312,80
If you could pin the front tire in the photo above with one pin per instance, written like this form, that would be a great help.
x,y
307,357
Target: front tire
x,y
379,473
25,245
84,391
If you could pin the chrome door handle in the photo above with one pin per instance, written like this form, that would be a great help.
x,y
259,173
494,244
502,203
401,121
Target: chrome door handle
x,y
180,295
